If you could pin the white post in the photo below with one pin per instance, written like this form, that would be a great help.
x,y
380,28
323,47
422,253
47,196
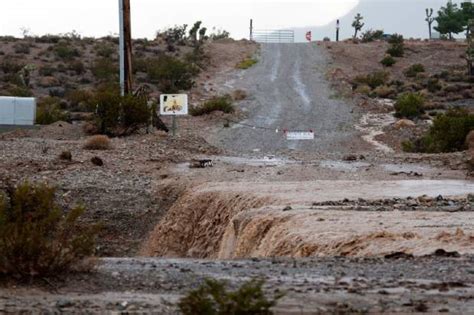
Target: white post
x,y
122,50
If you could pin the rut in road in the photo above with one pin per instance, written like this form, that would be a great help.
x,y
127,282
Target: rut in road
x,y
288,91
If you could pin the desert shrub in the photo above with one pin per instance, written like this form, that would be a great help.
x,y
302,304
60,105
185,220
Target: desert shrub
x,y
447,134
384,91
49,111
388,61
246,63
104,69
36,237
80,100
98,142
197,57
239,95
10,65
104,50
433,85
140,65
409,105
373,79
46,71
218,103
118,115
175,35
397,46
65,51
21,48
48,39
414,70
213,298
220,34
171,74
371,35
20,91
363,89
77,66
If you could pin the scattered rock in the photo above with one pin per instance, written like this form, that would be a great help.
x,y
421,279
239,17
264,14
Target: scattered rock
x,y
97,161
350,157
442,253
65,156
287,208
399,255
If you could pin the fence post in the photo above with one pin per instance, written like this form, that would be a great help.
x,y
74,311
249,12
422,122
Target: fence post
x,y
251,29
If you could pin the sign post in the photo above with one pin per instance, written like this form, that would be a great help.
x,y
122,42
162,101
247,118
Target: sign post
x,y
174,105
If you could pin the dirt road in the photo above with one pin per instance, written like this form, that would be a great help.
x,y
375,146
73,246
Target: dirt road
x,y
288,91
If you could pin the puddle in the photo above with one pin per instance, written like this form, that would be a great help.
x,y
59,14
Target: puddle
x,y
343,166
265,161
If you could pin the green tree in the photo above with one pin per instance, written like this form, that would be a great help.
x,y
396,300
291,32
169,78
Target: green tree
x,y
450,20
193,32
357,24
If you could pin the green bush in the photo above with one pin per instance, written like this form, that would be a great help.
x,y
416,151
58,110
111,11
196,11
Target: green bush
x,y
219,103
49,111
413,70
10,65
21,48
433,85
409,105
65,51
77,66
373,80
20,91
371,35
118,115
213,298
104,50
448,132
247,63
171,74
388,61
105,69
397,46
36,237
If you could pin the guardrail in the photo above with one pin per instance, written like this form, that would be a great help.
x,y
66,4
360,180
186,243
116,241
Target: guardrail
x,y
273,36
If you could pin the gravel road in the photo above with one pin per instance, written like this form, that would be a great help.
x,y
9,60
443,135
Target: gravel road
x,y
288,91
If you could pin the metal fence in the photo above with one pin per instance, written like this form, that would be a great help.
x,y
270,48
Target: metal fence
x,y
273,36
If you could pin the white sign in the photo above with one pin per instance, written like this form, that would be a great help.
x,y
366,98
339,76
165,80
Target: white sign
x,y
299,135
19,111
173,104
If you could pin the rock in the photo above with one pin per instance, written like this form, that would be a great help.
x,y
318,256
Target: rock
x,y
470,198
97,161
404,123
48,82
65,156
350,157
398,255
442,253
64,303
470,140
287,208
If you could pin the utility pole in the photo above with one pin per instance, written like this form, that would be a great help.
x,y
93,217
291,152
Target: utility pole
x,y
337,31
251,29
125,47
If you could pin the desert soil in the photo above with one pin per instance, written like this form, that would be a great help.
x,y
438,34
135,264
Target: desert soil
x,y
306,202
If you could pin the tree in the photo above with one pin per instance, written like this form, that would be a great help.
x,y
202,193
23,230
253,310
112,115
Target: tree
x,y
467,10
470,47
193,32
450,20
357,24
429,19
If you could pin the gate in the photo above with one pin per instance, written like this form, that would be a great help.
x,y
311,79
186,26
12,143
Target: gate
x,y
273,36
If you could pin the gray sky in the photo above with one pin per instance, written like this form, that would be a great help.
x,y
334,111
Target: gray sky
x,y
100,17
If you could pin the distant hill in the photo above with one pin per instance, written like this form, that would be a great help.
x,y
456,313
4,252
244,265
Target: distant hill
x,y
405,17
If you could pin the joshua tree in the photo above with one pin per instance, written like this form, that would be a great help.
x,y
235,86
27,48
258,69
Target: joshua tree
x,y
429,19
357,24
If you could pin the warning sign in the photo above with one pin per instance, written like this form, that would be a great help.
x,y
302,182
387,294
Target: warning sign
x,y
173,104
299,135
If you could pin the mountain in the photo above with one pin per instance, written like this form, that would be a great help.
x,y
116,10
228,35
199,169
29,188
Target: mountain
x,y
405,17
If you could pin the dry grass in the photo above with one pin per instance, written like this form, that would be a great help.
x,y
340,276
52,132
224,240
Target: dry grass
x,y
98,142
239,95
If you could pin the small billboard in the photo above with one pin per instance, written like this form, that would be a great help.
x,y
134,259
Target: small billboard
x,y
20,111
174,104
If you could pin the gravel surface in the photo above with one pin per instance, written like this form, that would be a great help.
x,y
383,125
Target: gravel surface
x,y
313,286
288,91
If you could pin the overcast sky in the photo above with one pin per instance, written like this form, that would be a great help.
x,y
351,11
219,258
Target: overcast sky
x,y
100,17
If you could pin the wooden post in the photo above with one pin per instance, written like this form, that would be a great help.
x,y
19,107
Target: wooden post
x,y
127,29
